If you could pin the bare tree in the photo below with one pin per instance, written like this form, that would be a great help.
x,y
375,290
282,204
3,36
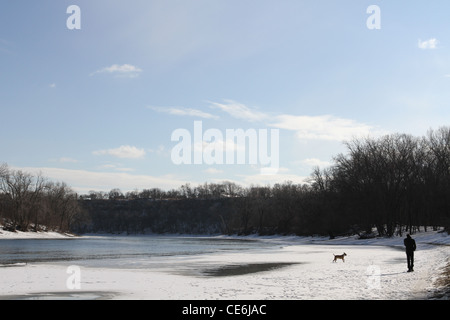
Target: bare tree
x,y
116,194
63,205
22,193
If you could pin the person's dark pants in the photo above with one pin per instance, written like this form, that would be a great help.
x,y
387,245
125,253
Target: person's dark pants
x,y
410,258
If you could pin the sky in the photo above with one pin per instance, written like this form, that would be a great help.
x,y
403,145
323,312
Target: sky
x,y
95,96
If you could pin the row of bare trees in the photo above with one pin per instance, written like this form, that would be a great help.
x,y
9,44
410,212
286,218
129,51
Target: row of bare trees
x,y
224,189
396,182
257,209
31,202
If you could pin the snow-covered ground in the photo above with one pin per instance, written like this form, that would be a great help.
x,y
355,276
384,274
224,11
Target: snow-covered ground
x,y
301,268
32,235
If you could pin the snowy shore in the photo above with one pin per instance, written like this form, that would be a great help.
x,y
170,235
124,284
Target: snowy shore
x,y
301,268
33,235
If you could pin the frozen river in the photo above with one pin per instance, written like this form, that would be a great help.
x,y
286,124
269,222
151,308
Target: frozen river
x,y
120,252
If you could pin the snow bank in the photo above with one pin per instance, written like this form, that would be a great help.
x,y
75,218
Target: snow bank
x,y
32,235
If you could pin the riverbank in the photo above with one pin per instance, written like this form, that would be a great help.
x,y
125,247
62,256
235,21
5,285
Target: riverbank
x,y
4,234
296,269
34,235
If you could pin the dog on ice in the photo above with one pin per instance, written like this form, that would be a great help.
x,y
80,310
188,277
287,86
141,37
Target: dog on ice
x,y
340,256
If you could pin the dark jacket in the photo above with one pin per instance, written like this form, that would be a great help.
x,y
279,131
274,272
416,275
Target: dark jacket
x,y
410,244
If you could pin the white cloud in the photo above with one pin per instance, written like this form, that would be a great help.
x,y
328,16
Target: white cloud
x,y
240,111
180,111
428,44
325,127
125,70
123,152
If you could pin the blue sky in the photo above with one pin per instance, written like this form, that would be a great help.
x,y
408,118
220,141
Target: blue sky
x,y
96,107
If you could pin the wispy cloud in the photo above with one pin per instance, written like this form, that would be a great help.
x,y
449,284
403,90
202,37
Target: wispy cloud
x,y
324,127
64,160
428,44
180,111
125,70
240,111
123,152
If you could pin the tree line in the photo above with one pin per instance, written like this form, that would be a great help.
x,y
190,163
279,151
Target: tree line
x,y
31,202
220,208
391,184
394,183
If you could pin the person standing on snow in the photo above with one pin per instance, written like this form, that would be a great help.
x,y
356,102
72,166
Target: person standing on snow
x,y
410,245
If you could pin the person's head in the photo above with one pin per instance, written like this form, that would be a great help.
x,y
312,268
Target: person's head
x,y
408,236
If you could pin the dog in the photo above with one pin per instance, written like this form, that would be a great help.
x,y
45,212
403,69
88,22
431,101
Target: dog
x,y
341,256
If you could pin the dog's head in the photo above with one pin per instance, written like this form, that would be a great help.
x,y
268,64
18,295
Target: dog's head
x,y
345,254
